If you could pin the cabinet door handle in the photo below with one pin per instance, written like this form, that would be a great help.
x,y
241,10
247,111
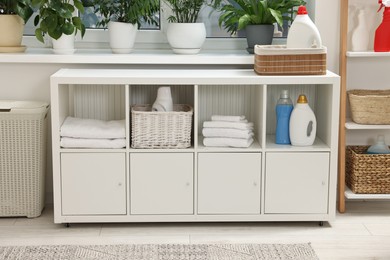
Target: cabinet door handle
x,y
120,184
323,183
254,183
187,184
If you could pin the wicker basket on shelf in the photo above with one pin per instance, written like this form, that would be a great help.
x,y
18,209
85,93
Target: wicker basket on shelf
x,y
150,129
279,60
367,173
370,107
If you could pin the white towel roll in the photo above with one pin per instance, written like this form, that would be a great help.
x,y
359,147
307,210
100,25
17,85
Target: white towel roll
x,y
227,132
228,118
67,142
227,142
222,124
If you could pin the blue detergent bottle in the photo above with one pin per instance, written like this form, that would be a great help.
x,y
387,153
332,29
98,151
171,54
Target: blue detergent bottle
x,y
380,147
283,112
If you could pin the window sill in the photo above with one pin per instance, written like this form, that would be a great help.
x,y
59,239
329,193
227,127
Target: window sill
x,y
143,57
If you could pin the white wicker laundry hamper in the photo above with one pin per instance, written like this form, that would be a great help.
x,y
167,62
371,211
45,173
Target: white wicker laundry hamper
x,y
23,130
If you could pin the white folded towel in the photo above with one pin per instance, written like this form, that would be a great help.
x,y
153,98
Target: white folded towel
x,y
227,132
228,118
222,124
67,142
230,142
93,128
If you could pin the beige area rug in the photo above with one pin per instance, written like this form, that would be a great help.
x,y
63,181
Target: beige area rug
x,y
161,252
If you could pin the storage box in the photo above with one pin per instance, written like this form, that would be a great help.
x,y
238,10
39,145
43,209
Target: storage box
x,y
23,130
150,129
367,173
278,60
370,107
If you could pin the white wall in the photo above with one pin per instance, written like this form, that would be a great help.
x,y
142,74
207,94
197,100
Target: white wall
x,y
27,81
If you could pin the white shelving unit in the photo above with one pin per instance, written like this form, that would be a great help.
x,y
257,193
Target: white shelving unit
x,y
265,182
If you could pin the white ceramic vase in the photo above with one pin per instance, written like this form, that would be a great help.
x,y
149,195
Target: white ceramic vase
x,y
64,44
186,38
122,37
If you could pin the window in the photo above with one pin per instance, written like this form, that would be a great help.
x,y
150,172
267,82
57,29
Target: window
x,y
155,35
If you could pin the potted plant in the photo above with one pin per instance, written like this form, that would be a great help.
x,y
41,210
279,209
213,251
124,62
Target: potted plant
x,y
185,35
123,18
13,16
257,17
57,19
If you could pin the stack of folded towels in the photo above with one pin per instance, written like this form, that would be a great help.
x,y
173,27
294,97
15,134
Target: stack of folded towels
x,y
227,131
92,133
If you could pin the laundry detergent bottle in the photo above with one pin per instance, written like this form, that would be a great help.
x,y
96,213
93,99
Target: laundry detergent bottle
x,y
303,123
382,33
283,112
379,147
303,33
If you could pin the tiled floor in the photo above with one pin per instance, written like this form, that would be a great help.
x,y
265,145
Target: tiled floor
x,y
363,232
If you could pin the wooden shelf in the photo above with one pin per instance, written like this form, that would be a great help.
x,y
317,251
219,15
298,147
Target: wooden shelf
x,y
349,124
353,196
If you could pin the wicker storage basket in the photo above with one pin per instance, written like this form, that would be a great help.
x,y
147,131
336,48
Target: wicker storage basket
x,y
370,107
161,129
367,173
23,128
278,60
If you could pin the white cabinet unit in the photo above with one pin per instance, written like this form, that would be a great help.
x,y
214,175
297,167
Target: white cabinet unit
x,y
296,183
93,183
229,183
199,183
161,183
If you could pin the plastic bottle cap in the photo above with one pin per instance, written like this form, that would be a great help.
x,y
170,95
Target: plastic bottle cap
x,y
302,10
284,94
302,99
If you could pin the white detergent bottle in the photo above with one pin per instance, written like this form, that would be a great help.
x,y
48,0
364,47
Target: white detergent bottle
x,y
303,123
303,33
163,101
380,147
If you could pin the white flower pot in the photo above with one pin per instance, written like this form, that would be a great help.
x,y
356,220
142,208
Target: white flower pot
x,y
64,44
122,36
186,38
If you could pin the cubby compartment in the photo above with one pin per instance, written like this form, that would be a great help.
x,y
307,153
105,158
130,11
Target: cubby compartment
x,y
161,183
171,129
88,101
229,183
93,183
231,100
320,98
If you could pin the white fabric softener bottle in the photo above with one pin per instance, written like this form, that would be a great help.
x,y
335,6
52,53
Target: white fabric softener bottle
x,y
303,123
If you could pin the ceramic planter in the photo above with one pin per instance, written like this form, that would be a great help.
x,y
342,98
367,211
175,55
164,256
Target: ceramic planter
x,y
261,34
186,38
64,44
11,31
122,36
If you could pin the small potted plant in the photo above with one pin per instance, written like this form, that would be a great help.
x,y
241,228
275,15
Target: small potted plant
x,y
185,34
13,16
123,18
57,19
257,17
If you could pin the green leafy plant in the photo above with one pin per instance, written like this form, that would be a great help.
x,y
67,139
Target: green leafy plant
x,y
237,14
22,8
184,11
57,17
127,11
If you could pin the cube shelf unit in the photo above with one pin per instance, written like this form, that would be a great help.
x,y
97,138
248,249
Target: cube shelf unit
x,y
265,182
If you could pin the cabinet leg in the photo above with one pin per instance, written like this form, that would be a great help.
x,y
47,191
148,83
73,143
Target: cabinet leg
x,y
67,225
321,223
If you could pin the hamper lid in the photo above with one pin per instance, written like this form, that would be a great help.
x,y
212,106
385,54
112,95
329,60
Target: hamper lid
x,y
283,50
24,107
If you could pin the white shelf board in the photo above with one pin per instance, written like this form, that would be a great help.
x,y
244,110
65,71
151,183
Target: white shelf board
x,y
318,146
349,124
105,56
350,195
357,54
255,147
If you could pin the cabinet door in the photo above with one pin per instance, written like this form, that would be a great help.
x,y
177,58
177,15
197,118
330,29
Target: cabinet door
x,y
93,183
229,183
161,183
296,182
